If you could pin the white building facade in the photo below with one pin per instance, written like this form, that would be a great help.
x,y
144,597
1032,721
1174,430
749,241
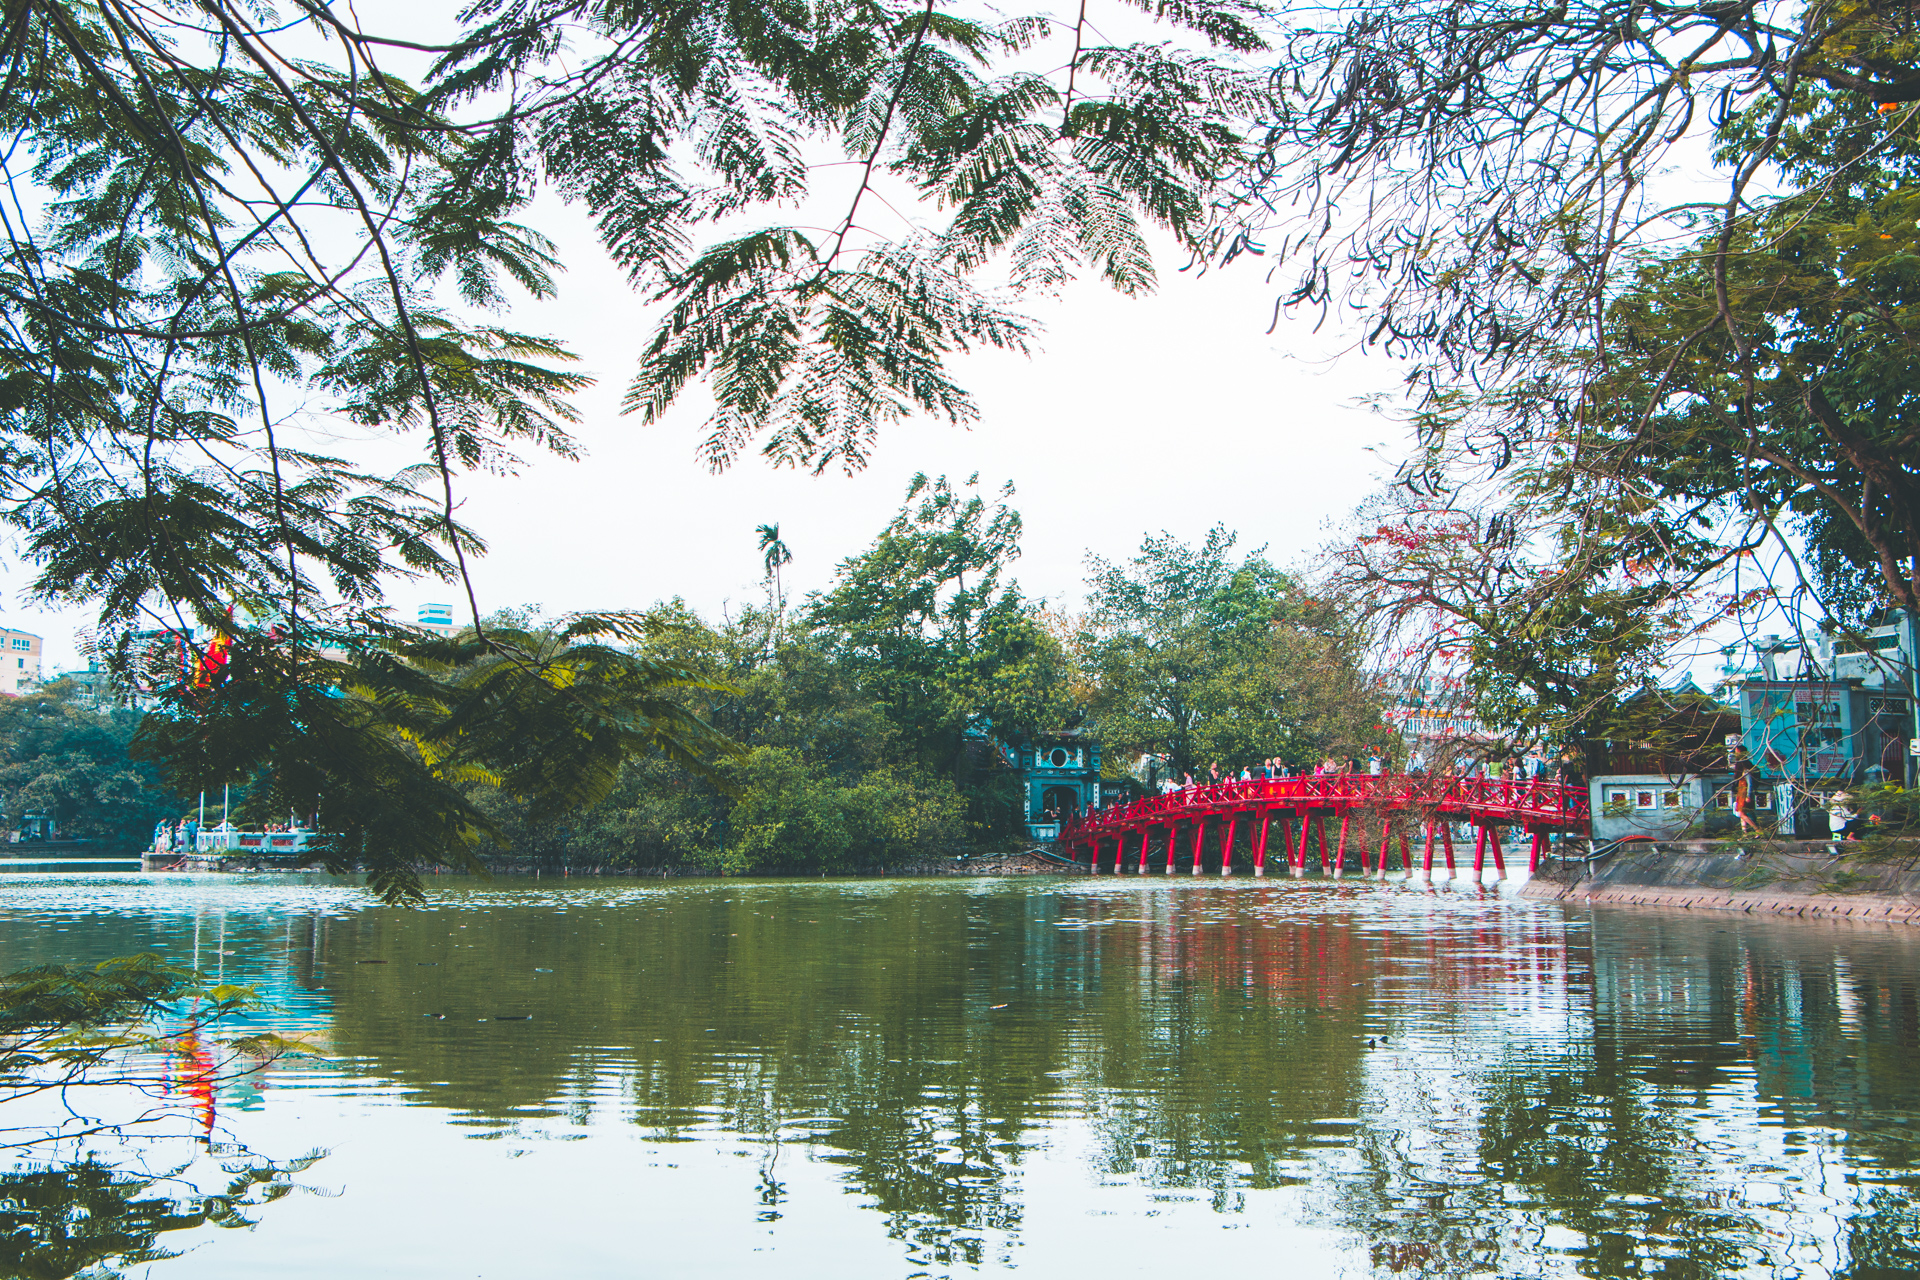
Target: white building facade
x,y
20,672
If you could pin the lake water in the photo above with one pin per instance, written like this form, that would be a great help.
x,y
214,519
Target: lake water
x,y
1059,1077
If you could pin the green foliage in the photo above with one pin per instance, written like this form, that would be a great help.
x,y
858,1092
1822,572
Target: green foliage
x,y
823,783
238,212
791,818
1774,385
1207,660
61,759
385,741
1547,618
923,623
62,1024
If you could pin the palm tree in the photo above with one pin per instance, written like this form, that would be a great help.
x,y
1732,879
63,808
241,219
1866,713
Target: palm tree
x,y
774,553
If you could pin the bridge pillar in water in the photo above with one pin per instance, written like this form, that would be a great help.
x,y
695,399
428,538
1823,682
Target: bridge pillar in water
x,y
1172,844
1199,841
1226,845
1446,839
1340,854
1426,856
1146,839
1260,844
1479,850
1386,846
1499,862
1533,859
1300,855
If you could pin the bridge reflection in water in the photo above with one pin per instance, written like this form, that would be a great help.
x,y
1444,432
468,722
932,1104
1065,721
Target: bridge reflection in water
x,y
1372,810
971,1078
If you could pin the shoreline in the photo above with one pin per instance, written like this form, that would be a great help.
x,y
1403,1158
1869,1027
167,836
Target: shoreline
x,y
1800,879
1023,863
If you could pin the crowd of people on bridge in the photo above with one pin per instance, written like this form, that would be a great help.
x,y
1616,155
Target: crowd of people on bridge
x,y
1533,766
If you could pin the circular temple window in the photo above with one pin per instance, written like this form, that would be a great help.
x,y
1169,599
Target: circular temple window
x,y
1059,757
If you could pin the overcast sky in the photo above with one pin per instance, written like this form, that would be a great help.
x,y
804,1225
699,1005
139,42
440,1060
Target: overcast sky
x,y
1133,416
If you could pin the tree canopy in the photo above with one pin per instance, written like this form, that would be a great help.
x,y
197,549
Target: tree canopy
x,y
1648,271
1192,655
225,218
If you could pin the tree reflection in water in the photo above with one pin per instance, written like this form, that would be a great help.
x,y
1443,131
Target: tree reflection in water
x,y
1450,1083
59,1219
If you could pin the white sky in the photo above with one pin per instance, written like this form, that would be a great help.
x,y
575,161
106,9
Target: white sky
x,y
1133,416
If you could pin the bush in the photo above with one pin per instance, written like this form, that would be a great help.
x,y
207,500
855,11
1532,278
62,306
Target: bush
x,y
793,818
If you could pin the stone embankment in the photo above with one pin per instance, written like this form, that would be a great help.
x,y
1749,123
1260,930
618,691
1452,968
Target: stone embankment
x,y
1878,881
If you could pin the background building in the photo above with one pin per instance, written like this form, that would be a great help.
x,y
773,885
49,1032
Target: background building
x,y
21,671
437,618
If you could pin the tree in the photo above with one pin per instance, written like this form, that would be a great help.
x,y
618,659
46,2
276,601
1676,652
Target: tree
x,y
1546,621
1495,170
1590,341
923,624
72,765
384,745
1209,661
244,213
774,554
820,784
1744,441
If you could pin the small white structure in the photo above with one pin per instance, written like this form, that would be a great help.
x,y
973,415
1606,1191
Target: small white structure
x,y
1663,807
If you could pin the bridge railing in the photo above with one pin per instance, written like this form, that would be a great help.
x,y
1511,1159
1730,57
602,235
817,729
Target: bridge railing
x,y
1534,803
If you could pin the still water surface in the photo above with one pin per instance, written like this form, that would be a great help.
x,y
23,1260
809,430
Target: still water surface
x,y
934,1079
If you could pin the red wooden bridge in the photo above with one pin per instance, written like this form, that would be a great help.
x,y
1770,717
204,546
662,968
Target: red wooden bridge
x,y
1373,811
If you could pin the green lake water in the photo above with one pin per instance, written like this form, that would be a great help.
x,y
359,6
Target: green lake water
x,y
900,1079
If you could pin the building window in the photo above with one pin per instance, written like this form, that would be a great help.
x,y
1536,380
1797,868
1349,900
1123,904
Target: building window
x,y
1724,800
1643,800
1618,799
21,642
1763,800
1670,799
20,662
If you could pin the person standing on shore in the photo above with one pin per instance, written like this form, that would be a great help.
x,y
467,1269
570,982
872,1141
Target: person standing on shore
x,y
1743,777
1843,820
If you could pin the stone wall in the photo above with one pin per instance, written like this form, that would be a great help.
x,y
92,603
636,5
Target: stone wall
x,y
1796,878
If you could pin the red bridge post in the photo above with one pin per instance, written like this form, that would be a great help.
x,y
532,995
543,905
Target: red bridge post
x,y
1340,854
1226,844
1172,843
1199,840
1260,845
